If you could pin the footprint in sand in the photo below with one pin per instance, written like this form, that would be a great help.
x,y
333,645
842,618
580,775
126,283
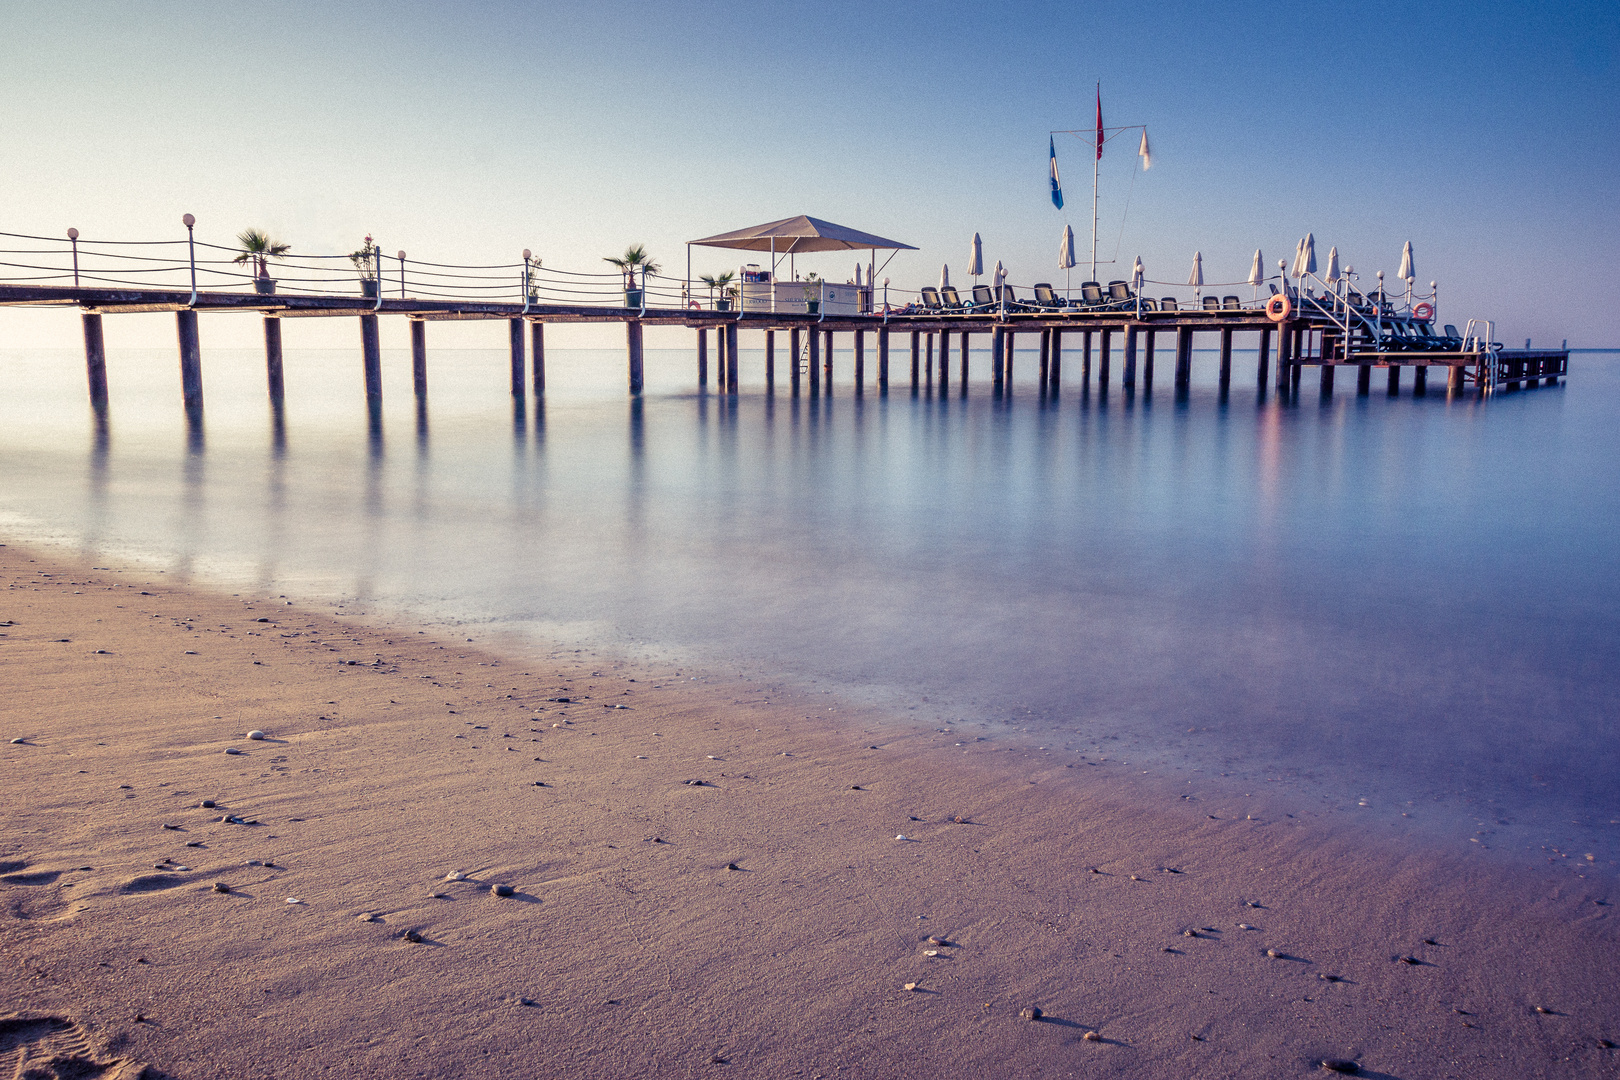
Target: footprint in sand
x,y
53,1048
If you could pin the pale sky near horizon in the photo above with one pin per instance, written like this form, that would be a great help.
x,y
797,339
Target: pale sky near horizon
x,y
1486,133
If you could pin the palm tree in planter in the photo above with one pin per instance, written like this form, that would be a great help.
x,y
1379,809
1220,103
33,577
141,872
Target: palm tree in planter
x,y
723,283
367,262
635,258
259,249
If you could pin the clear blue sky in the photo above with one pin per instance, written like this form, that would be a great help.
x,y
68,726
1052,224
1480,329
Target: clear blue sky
x,y
1486,133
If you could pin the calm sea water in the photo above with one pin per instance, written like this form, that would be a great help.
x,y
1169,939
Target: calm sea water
x,y
1387,606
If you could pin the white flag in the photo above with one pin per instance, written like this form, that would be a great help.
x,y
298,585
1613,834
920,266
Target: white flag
x,y
1145,153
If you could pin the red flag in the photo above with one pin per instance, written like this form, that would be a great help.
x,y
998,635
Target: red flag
x,y
1099,122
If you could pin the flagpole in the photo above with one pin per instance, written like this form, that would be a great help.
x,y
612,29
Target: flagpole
x,y
1095,159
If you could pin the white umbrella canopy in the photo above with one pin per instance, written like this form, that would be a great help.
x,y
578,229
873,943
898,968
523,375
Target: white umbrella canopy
x,y
976,258
1406,272
1257,272
1197,275
999,276
1333,266
796,235
944,276
1066,249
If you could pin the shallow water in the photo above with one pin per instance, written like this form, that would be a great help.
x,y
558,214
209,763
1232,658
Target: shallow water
x,y
1405,603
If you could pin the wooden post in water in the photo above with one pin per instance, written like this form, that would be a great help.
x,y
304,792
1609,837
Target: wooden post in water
x,y
1085,361
1363,380
1183,357
928,369
720,356
860,362
883,360
827,365
793,348
95,359
1263,361
1010,349
963,376
703,356
1046,362
191,394
1129,379
371,357
770,362
916,358
1226,358
537,359
632,333
998,359
1147,361
731,358
274,376
1394,380
1056,378
1285,338
419,359
1454,381
1104,358
944,361
815,363
1327,370
1420,380
514,328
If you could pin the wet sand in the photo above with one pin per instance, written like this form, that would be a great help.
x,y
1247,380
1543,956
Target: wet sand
x,y
763,921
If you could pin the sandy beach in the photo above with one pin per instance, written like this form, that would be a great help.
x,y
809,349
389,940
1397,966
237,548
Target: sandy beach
x,y
706,877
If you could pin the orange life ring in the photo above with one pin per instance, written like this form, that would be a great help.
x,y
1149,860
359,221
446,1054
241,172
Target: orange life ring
x,y
696,305
1424,312
1279,307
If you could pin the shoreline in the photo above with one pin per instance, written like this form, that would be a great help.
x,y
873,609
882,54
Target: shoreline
x,y
635,947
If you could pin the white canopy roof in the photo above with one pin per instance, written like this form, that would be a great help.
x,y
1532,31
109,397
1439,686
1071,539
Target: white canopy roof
x,y
793,235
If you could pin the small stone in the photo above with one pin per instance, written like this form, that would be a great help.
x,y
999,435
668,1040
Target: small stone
x,y
930,952
256,735
960,820
1092,1036
294,900
1135,878
1606,1044
910,986
232,750
901,836
206,804
1412,960
1544,1011
221,887
171,827
413,936
1274,954
1189,933
1032,1013
368,916
19,742
936,941
854,787
1252,903
1244,926
501,890
1350,1068
455,875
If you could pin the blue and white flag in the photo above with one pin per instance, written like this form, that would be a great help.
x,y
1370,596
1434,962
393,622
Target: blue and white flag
x,y
1057,185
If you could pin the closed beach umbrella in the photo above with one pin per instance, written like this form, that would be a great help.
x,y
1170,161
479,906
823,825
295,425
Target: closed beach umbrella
x,y
1333,266
1310,253
1066,249
944,276
1256,272
857,274
976,260
1138,273
999,276
1197,275
1406,272
1298,268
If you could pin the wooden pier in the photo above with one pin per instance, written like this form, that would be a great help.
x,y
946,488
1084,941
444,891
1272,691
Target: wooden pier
x,y
1300,341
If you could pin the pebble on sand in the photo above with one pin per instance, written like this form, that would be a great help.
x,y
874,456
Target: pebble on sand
x,y
1274,954
206,804
1092,1036
19,742
256,735
1349,1068
413,936
1032,1013
909,986
455,875
221,887
501,890
232,750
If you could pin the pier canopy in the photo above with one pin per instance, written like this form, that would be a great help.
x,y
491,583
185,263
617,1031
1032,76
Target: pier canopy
x,y
795,235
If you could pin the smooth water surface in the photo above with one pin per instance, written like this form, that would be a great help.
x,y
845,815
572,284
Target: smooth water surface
x,y
1396,605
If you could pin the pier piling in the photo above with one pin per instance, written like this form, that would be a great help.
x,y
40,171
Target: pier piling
x,y
1147,361
731,358
632,331
860,362
1363,379
703,357
944,361
95,360
827,365
998,354
815,363
274,376
1284,340
1226,358
191,391
916,358
1104,359
1263,360
1011,349
793,348
1055,379
1183,358
419,359
963,376
770,362
1085,361
1128,378
1327,380
1394,388
1420,380
720,344
537,347
371,359
883,360
1046,362
514,334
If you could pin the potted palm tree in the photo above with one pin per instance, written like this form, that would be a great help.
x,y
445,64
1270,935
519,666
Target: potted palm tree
x,y
258,249
812,294
635,258
367,262
723,282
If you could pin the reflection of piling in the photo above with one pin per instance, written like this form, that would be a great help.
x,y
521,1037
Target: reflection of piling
x,y
95,361
274,375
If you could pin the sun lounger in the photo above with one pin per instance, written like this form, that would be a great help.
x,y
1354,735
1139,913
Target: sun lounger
x,y
983,297
950,299
930,298
1091,295
1119,292
1046,299
1168,303
1231,303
